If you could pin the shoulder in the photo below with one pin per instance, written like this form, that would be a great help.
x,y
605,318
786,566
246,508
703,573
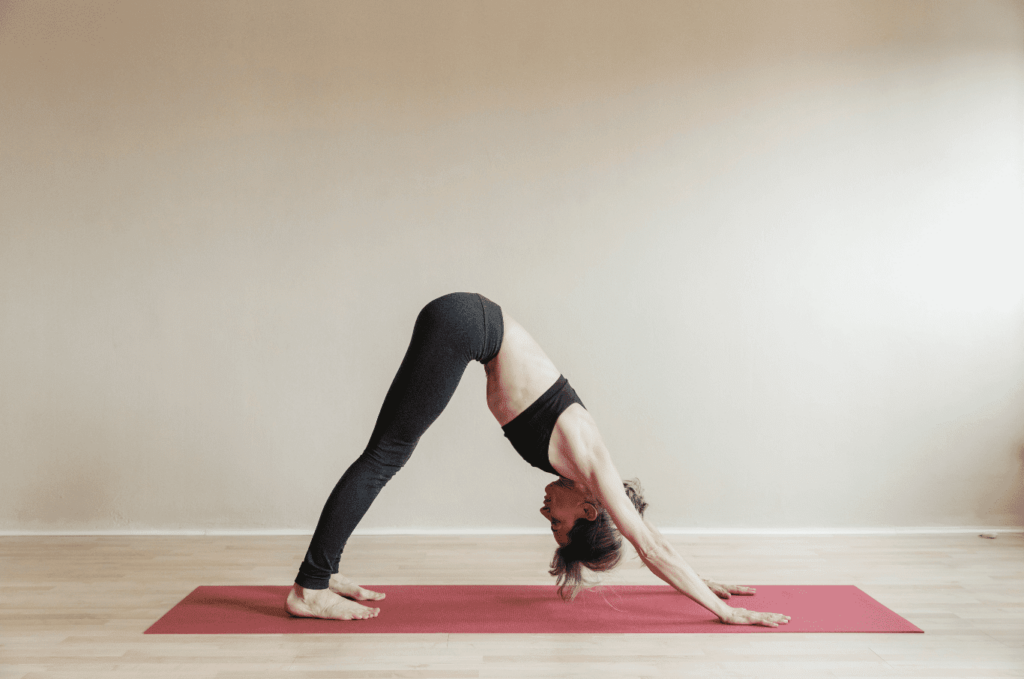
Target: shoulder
x,y
576,446
578,452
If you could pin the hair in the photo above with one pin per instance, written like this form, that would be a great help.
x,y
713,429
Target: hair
x,y
595,544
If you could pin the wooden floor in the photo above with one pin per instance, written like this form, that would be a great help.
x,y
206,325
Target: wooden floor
x,y
77,607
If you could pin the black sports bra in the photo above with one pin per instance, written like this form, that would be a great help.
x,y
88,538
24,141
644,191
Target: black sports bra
x,y
530,431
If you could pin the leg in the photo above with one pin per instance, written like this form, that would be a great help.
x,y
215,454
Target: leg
x,y
449,332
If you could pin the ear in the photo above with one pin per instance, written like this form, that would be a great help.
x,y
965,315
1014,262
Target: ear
x,y
589,511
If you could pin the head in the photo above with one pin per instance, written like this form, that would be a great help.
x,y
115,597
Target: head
x,y
584,531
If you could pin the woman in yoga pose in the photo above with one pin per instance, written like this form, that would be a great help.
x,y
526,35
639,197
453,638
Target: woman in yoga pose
x,y
589,506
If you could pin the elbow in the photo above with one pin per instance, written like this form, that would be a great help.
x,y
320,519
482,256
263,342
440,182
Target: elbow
x,y
649,549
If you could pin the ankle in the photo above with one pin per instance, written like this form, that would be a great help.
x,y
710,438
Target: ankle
x,y
303,592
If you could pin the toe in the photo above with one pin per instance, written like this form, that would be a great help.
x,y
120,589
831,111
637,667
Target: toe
x,y
370,595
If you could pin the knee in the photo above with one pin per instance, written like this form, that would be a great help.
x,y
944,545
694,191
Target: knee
x,y
387,460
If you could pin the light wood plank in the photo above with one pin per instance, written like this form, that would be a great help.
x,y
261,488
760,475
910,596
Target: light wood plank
x,y
77,607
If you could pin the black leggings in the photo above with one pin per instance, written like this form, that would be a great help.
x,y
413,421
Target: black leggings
x,y
450,332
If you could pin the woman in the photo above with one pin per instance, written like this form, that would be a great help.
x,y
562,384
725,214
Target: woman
x,y
588,506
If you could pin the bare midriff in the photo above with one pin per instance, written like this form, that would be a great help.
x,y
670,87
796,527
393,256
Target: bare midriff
x,y
518,375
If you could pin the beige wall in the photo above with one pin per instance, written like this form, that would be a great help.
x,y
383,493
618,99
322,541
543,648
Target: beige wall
x,y
776,246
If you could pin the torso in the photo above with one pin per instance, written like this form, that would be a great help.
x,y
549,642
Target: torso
x,y
518,376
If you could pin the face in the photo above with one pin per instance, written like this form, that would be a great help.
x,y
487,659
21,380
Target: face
x,y
564,503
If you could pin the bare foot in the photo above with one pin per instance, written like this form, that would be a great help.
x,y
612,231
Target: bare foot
x,y
346,588
323,603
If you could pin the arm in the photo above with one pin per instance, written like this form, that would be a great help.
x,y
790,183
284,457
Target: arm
x,y
585,458
663,560
654,550
721,591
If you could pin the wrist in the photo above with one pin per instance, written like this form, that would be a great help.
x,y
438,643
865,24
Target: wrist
x,y
724,613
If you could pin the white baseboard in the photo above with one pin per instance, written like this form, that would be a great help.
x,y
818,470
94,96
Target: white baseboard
x,y
907,530
904,530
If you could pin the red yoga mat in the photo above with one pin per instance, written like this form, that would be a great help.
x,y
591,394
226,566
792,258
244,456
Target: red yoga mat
x,y
497,609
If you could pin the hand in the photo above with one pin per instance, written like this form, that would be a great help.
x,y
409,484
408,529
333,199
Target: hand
x,y
741,616
726,591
